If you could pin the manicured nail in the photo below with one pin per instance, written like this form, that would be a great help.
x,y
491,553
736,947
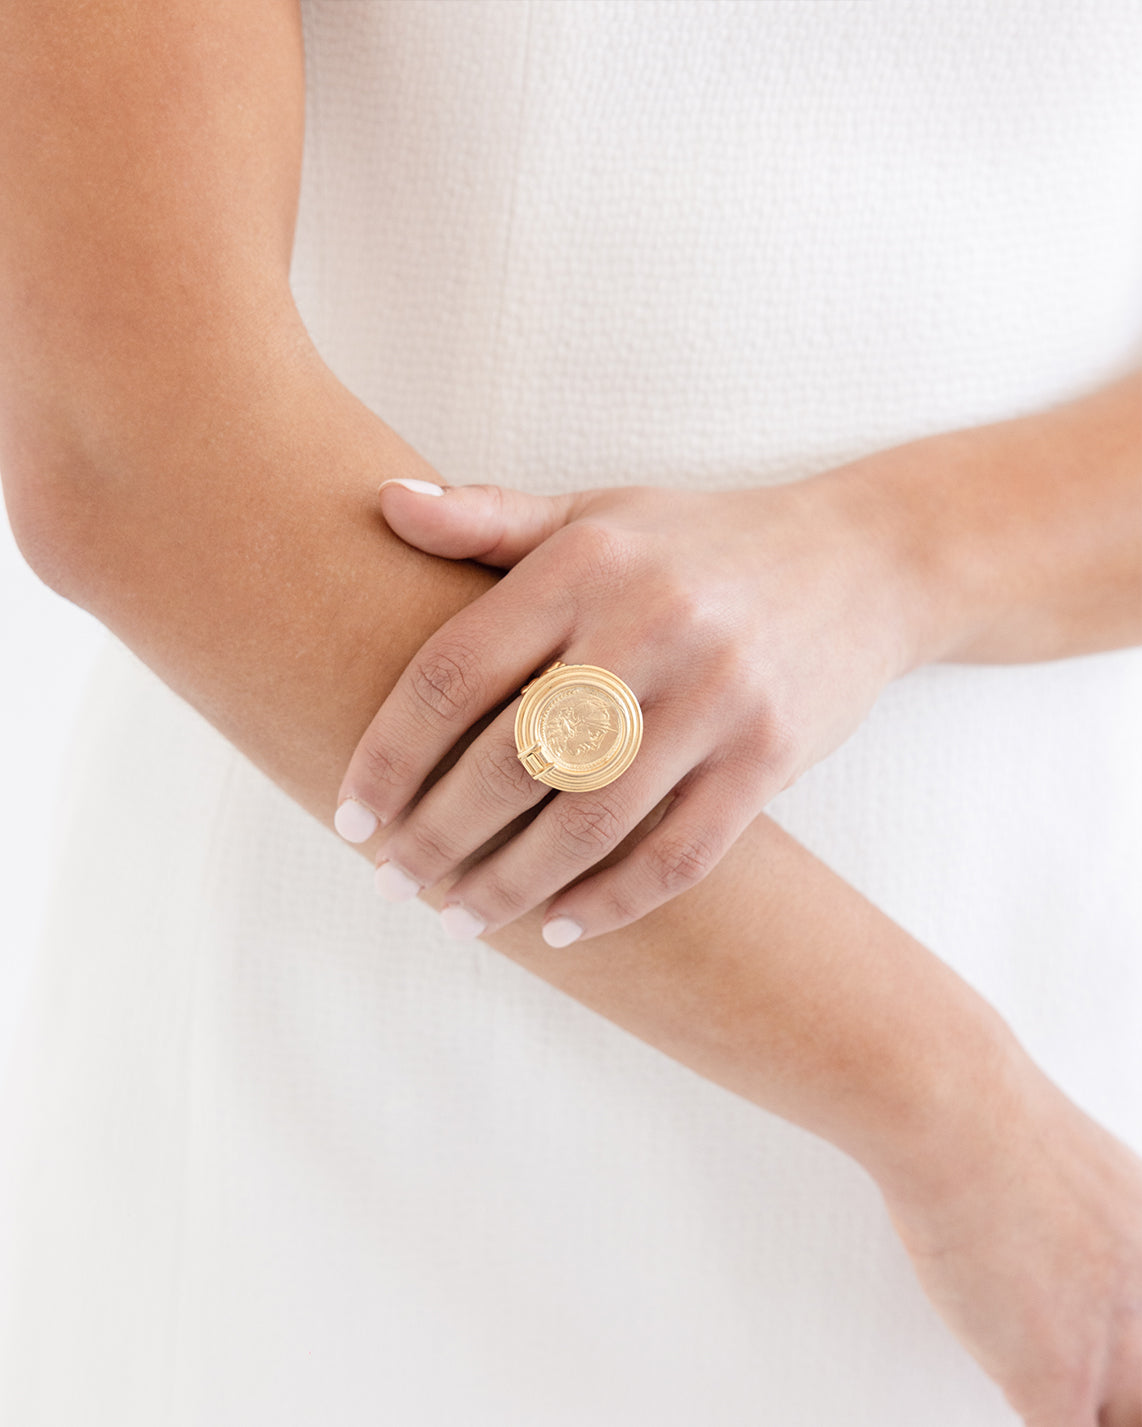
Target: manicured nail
x,y
354,821
394,883
561,931
410,483
461,923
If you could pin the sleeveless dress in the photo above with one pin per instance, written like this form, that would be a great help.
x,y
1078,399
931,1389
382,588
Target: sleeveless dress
x,y
278,1153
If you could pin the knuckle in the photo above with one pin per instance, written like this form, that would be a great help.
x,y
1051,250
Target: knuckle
x,y
674,604
599,553
497,496
733,674
687,616
446,681
618,904
777,746
428,848
501,896
731,671
586,826
769,744
503,781
679,860
384,767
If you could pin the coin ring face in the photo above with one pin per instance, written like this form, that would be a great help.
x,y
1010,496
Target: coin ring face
x,y
579,726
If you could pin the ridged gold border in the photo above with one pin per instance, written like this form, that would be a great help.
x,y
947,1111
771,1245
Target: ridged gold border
x,y
527,734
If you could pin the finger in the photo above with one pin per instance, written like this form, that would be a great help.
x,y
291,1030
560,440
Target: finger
x,y
698,828
571,833
497,525
466,668
482,793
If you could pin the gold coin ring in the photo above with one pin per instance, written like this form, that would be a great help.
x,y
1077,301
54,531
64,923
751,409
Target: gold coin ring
x,y
577,727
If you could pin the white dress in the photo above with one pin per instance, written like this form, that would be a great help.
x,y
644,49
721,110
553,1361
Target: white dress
x,y
278,1153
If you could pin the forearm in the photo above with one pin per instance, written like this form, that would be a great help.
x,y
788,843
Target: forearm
x,y
1021,540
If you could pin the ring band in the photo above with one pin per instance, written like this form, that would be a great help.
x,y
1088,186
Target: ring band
x,y
577,726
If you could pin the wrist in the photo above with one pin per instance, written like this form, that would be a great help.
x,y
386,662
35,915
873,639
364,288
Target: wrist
x,y
903,506
895,576
970,1095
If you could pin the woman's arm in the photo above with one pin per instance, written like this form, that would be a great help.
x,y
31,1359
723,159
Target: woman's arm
x,y
1025,536
177,459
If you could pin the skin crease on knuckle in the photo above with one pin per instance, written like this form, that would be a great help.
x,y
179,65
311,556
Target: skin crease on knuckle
x,y
615,900
446,683
504,785
425,850
621,889
680,858
385,767
585,826
503,789
496,899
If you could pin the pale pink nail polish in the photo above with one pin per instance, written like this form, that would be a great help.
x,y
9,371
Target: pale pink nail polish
x,y
394,883
354,821
561,931
461,923
411,483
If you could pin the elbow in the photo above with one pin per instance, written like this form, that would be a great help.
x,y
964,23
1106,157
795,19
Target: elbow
x,y
45,514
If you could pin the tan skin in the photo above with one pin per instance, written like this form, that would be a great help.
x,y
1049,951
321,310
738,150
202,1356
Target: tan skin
x,y
178,460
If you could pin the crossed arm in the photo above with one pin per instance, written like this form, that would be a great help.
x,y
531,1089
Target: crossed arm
x,y
178,459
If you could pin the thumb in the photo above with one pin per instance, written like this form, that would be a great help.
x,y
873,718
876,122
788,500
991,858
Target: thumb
x,y
494,524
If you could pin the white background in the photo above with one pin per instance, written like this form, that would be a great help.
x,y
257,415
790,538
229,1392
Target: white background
x,y
46,649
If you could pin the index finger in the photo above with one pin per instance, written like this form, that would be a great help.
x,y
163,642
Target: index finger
x,y
476,659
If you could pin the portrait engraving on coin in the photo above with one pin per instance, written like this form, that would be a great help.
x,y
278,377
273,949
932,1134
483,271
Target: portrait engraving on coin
x,y
581,726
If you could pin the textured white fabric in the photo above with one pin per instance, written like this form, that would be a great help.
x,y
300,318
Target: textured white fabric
x,y
276,1153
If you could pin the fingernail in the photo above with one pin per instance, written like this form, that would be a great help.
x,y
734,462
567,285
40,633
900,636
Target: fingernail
x,y
461,923
394,883
354,821
410,483
561,931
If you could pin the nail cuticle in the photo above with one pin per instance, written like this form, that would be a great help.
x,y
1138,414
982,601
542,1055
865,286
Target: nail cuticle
x,y
460,923
394,883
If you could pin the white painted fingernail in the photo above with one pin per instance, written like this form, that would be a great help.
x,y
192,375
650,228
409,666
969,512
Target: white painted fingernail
x,y
461,923
561,931
410,483
394,883
354,821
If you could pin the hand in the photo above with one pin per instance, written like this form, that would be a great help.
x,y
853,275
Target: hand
x,y
1034,1259
756,628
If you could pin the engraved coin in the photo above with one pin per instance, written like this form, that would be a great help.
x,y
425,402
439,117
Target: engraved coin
x,y
578,726
581,725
